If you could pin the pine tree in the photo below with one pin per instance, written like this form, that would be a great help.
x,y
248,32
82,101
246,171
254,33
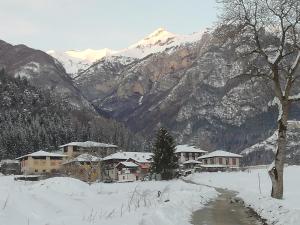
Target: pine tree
x,y
164,159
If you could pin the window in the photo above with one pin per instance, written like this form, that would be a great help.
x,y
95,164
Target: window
x,y
39,157
44,171
186,155
36,171
220,161
75,148
227,161
66,149
234,161
193,155
205,161
211,161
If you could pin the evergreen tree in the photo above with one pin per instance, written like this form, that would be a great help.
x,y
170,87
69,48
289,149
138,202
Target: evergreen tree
x,y
164,159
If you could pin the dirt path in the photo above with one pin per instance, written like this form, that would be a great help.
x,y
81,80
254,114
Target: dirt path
x,y
227,209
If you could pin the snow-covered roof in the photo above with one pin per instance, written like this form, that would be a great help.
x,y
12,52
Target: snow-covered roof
x,y
42,153
89,144
87,157
219,153
128,164
213,166
84,158
191,161
141,157
187,148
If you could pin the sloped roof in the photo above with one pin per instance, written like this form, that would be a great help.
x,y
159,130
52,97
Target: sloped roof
x,y
87,157
219,153
89,144
128,164
141,157
84,158
42,153
187,148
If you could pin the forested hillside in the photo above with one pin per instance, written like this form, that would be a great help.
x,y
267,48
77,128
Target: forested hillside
x,y
33,119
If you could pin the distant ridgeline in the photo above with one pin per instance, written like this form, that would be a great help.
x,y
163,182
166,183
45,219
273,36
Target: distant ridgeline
x,y
33,119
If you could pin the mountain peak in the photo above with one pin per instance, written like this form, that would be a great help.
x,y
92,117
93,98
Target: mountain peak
x,y
160,32
159,37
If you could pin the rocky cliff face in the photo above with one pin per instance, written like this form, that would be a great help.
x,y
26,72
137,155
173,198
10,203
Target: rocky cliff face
x,y
195,89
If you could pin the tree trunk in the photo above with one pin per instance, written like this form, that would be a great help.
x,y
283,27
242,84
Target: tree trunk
x,y
276,171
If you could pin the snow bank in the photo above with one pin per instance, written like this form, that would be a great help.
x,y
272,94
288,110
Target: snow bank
x,y
278,212
59,201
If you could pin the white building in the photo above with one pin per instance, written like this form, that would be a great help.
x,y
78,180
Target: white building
x,y
185,153
220,160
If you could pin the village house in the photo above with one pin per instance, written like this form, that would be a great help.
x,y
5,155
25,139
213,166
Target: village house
x,y
128,171
142,159
220,161
85,167
185,153
98,149
41,162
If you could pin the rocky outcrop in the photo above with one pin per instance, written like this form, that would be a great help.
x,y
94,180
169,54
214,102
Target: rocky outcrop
x,y
41,70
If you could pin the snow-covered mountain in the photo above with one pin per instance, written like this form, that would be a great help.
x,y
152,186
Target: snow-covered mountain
x,y
76,61
158,41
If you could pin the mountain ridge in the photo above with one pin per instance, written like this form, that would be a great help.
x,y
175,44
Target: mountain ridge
x,y
76,61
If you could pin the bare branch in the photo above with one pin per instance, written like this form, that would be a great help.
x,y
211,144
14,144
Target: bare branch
x,y
294,98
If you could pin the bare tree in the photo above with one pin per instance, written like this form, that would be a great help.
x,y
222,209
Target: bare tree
x,y
271,32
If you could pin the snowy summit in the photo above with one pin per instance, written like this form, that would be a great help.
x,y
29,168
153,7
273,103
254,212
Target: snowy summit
x,y
76,61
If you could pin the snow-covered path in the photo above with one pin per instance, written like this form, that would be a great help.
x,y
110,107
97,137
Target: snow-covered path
x,y
254,188
225,210
66,201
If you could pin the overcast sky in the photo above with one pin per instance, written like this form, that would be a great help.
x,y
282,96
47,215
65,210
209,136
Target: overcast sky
x,y
115,24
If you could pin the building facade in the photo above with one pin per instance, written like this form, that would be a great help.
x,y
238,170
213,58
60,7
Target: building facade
x,y
142,159
128,171
185,153
220,160
84,167
41,162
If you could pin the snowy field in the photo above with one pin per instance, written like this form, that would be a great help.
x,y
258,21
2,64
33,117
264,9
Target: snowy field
x,y
66,201
277,212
